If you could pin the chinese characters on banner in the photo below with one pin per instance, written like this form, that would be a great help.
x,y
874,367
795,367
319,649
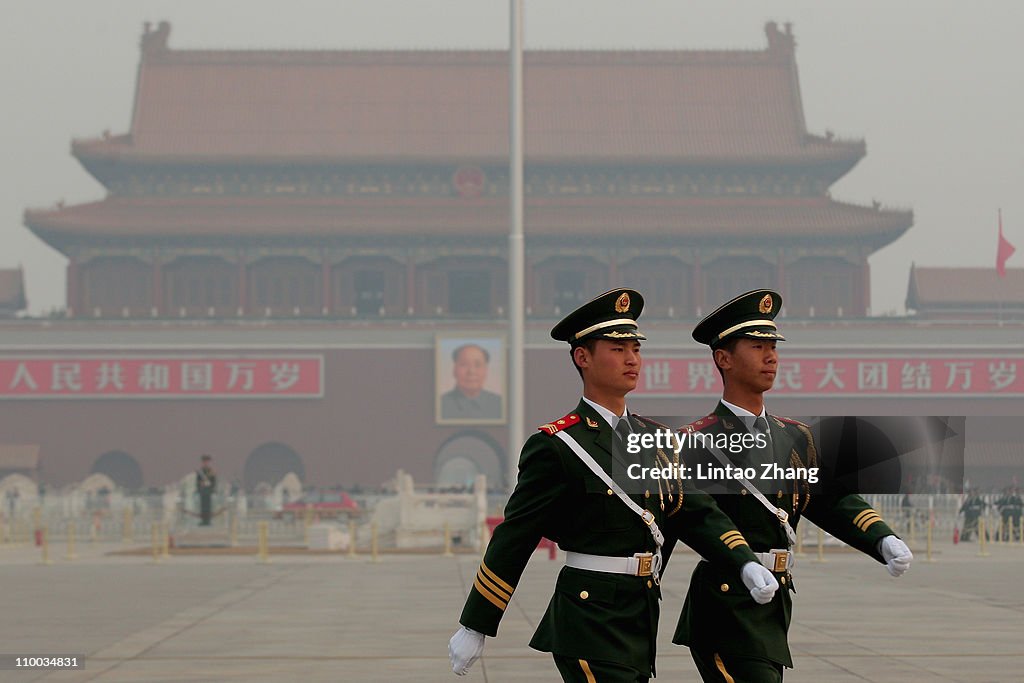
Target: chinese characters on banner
x,y
161,377
849,376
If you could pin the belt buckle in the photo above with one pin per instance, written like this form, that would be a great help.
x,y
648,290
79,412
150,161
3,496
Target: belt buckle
x,y
645,562
781,561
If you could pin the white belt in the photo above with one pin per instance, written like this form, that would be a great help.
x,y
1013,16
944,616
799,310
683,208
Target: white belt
x,y
640,564
777,561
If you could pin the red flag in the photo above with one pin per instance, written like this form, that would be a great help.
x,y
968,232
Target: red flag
x,y
1004,251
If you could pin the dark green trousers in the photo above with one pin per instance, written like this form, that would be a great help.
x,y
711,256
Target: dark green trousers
x,y
716,668
585,671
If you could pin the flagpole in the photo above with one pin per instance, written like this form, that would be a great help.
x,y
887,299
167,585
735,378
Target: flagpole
x,y
516,254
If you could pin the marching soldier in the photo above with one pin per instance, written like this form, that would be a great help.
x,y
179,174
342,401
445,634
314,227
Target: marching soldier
x,y
727,640
601,622
206,484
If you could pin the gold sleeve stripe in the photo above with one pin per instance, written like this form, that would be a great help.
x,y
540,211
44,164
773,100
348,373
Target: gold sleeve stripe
x,y
868,521
729,534
496,601
736,544
863,513
494,577
587,672
490,585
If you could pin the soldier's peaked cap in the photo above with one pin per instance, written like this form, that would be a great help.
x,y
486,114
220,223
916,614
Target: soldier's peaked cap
x,y
611,315
750,315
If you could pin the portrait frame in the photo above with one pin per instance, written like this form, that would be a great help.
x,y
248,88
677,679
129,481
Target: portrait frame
x,y
451,404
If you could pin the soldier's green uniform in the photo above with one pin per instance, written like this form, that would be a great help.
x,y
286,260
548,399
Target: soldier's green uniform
x,y
1009,506
598,625
720,621
972,510
729,637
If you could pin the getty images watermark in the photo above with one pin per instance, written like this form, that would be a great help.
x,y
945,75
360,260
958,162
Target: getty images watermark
x,y
662,440
833,454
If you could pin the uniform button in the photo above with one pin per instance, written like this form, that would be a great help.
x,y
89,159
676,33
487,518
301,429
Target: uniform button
x,y
782,580
743,492
647,494
725,587
649,584
611,493
584,595
779,494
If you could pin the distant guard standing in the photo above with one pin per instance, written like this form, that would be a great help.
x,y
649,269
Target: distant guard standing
x,y
206,484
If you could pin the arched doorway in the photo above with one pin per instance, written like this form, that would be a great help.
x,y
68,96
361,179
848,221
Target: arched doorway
x,y
466,455
268,463
121,467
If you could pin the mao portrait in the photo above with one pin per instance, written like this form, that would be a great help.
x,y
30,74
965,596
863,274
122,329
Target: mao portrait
x,y
470,380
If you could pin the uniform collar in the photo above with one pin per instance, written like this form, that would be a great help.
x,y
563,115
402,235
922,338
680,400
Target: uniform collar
x,y
611,418
743,412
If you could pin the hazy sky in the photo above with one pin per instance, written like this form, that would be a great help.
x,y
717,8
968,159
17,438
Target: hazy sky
x,y
933,86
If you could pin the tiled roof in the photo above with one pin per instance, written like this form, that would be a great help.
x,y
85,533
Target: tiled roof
x,y
964,287
650,106
593,217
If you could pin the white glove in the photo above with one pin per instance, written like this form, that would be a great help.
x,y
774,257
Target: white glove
x,y
759,581
896,554
464,648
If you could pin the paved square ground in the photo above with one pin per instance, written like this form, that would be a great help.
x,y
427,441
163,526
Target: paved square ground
x,y
334,618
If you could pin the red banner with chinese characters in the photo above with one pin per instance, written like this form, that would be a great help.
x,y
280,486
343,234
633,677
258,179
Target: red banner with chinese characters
x,y
161,376
961,375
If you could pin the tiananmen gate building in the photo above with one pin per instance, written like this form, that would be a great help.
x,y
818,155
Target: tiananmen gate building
x,y
295,244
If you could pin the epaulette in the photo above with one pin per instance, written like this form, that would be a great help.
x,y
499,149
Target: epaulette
x,y
552,428
702,423
789,421
648,421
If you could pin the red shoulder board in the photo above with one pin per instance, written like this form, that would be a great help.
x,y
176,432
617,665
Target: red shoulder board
x,y
789,421
558,425
646,421
700,424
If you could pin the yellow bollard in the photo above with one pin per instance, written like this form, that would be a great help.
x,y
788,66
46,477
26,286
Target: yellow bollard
x,y
981,538
307,521
373,543
264,549
233,539
821,546
71,542
1020,536
3,528
447,541
165,541
155,542
351,538
483,537
799,537
928,540
127,526
44,540
913,530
